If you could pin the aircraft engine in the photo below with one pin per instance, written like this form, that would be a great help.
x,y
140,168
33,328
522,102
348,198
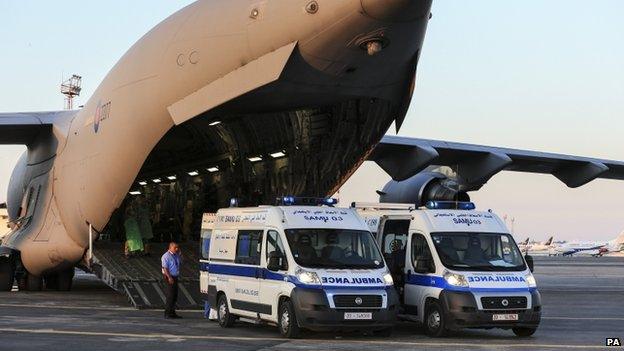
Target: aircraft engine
x,y
423,187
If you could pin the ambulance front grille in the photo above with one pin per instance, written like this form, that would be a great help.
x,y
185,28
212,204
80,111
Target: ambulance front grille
x,y
500,303
358,301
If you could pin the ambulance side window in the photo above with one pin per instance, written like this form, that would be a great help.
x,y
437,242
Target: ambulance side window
x,y
248,247
421,255
205,243
274,243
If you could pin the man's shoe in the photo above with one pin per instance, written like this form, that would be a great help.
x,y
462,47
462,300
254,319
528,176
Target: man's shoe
x,y
175,316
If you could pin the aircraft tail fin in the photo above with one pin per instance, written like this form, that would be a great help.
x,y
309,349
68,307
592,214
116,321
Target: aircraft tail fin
x,y
619,240
549,241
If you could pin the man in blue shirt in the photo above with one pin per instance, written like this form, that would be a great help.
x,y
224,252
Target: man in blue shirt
x,y
171,270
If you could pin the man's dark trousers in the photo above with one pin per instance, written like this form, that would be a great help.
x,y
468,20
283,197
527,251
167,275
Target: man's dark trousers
x,y
172,297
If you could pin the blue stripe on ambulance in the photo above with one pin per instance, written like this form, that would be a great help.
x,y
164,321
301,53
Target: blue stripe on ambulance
x,y
440,282
263,273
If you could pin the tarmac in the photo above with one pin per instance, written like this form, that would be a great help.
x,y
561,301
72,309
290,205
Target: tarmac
x,y
583,300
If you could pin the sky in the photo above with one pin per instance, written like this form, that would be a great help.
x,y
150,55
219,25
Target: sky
x,y
537,75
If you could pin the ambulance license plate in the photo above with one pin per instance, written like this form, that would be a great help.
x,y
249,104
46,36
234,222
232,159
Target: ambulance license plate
x,y
350,316
504,317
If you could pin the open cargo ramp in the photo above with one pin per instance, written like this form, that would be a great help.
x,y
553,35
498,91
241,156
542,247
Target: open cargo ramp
x,y
140,277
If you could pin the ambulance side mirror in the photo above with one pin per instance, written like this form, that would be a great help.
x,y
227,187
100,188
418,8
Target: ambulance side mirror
x,y
529,261
277,261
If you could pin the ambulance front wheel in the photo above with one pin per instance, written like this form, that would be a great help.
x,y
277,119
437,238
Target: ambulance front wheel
x,y
288,325
226,319
524,332
435,323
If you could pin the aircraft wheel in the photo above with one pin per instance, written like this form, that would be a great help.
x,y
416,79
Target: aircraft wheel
x,y
7,274
34,282
21,282
65,279
51,281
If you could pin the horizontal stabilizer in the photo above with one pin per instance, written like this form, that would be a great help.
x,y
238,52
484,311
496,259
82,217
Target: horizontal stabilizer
x,y
403,158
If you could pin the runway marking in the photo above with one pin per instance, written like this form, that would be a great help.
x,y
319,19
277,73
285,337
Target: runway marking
x,y
282,340
125,309
121,309
588,318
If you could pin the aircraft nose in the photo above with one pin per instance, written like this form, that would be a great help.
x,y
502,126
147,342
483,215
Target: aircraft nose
x,y
396,10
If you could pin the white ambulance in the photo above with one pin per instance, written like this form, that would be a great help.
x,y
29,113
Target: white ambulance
x,y
298,267
455,267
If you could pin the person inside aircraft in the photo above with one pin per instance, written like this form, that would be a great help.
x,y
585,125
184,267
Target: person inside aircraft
x,y
134,241
145,225
332,251
304,249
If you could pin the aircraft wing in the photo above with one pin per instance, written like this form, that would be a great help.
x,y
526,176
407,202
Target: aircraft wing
x,y
403,158
22,128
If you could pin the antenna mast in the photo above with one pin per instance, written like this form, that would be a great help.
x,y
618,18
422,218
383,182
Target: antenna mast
x,y
71,88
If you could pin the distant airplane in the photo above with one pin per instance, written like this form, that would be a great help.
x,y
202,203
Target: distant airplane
x,y
590,248
540,247
523,245
259,99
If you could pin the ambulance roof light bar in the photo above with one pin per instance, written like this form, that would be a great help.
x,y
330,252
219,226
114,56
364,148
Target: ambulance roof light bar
x,y
450,205
305,201
382,206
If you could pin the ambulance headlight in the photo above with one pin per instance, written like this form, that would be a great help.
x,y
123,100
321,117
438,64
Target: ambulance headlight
x,y
388,279
455,279
307,277
530,279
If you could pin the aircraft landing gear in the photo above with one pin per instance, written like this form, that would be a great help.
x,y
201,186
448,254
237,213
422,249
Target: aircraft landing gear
x,y
65,279
60,281
29,282
7,273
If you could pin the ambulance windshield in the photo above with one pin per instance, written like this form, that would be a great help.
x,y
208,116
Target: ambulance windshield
x,y
334,248
478,251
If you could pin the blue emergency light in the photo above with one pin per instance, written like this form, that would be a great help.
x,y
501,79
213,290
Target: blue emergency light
x,y
288,200
306,201
450,205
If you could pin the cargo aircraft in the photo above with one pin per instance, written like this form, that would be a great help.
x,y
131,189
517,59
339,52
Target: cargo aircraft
x,y
271,97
